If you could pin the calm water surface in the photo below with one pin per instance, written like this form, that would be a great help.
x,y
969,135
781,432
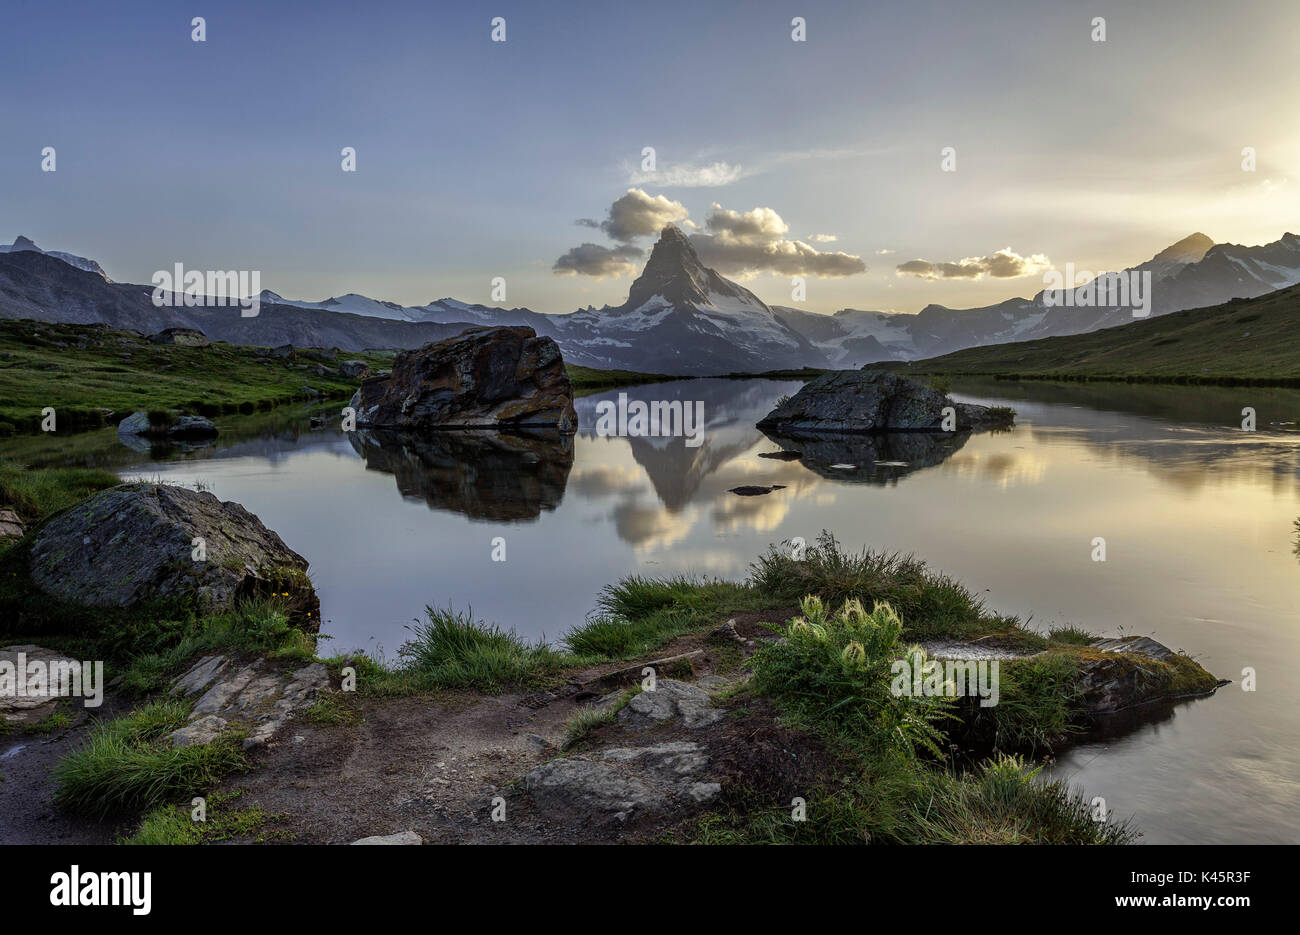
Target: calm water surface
x,y
1197,516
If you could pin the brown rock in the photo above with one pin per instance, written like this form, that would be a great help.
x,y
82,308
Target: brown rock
x,y
482,378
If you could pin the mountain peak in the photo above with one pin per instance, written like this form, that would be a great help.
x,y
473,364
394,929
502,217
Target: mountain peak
x,y
23,244
672,232
1188,250
675,273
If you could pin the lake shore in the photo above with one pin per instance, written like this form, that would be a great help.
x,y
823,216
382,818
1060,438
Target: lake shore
x,y
683,710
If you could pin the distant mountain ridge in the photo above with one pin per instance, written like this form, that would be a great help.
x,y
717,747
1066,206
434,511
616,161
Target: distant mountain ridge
x,y
680,317
1242,340
22,243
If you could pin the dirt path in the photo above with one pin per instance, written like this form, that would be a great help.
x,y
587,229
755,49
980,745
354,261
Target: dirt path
x,y
27,812
433,764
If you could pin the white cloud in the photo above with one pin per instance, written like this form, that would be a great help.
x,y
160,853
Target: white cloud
x,y
590,259
737,243
1004,264
684,175
637,214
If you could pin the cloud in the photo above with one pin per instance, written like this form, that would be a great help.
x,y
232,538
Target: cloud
x,y
1004,264
885,252
738,243
590,259
683,175
782,257
636,214
750,242
823,238
757,226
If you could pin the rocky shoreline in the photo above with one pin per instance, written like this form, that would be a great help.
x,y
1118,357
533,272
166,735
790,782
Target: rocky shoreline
x,y
668,743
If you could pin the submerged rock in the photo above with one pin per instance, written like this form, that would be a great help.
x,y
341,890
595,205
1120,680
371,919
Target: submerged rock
x,y
483,378
875,458
173,426
137,543
870,401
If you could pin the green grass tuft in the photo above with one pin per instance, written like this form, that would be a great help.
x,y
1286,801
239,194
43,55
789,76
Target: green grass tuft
x,y
173,825
127,765
453,650
934,605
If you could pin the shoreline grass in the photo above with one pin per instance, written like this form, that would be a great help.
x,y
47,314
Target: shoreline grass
x,y
35,494
128,766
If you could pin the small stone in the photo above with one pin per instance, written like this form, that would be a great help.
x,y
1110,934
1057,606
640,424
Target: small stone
x,y
402,837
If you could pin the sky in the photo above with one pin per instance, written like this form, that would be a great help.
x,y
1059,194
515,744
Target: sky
x,y
477,159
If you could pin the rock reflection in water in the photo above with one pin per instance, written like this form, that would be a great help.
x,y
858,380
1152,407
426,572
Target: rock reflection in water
x,y
484,474
880,458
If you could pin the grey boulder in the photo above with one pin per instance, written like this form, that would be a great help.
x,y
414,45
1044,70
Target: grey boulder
x,y
135,543
869,401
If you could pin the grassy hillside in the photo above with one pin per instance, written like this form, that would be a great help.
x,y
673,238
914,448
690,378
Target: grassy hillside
x,y
1243,341
93,375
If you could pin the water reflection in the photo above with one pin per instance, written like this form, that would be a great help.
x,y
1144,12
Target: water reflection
x,y
486,475
872,459
1198,517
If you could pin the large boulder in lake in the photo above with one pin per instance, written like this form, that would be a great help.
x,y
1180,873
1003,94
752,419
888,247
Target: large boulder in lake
x,y
134,544
503,378
870,401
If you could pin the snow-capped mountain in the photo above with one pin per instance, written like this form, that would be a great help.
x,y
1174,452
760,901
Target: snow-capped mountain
x,y
682,317
1230,271
852,337
1191,273
22,243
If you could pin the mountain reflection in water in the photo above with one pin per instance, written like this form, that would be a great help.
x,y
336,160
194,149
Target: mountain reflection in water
x,y
1198,517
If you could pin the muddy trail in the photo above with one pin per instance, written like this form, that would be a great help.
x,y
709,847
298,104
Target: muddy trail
x,y
463,768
